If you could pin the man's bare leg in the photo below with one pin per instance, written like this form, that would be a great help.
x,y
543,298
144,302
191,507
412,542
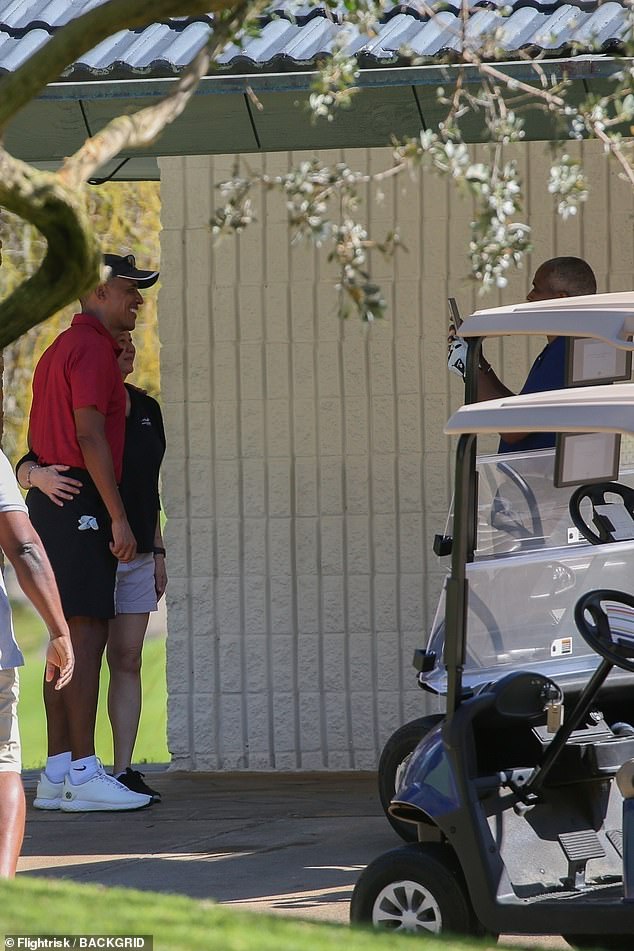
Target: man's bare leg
x,y
12,812
71,713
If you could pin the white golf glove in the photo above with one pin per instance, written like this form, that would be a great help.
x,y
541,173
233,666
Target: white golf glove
x,y
457,356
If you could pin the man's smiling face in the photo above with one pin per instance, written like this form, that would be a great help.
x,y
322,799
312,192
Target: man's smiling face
x,y
122,299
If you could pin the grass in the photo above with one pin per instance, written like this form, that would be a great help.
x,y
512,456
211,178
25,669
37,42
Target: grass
x,y
37,906
151,746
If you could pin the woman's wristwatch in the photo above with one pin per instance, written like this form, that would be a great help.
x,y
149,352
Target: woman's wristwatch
x,y
158,550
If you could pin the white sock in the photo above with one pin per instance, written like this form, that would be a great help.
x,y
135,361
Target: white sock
x,y
57,766
81,770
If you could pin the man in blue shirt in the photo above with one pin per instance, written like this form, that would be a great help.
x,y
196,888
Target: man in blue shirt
x,y
558,277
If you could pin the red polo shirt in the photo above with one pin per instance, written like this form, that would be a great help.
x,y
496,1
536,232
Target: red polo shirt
x,y
78,370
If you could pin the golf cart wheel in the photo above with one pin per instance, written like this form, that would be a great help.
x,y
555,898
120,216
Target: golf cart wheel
x,y
417,889
392,764
610,942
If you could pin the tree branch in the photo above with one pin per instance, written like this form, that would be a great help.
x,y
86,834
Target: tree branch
x,y
551,100
614,147
72,263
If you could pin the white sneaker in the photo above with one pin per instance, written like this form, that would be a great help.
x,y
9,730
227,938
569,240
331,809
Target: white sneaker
x,y
48,795
102,793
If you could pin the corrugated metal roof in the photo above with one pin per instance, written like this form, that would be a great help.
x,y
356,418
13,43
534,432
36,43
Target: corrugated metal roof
x,y
294,35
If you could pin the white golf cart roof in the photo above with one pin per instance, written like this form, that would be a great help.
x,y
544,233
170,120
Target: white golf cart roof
x,y
608,317
607,408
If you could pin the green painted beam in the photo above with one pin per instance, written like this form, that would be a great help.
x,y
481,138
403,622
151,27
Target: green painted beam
x,y
373,119
210,125
46,130
223,119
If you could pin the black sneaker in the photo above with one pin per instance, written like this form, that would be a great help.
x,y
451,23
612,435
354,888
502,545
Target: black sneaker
x,y
133,779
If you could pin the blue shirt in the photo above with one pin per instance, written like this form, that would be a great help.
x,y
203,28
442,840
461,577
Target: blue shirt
x,y
547,373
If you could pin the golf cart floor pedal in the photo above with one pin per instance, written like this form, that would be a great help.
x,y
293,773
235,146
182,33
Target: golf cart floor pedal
x,y
615,836
579,848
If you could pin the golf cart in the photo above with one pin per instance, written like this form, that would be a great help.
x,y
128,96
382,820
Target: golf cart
x,y
524,817
523,511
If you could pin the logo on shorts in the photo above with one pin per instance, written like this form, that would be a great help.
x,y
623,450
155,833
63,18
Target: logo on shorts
x,y
146,421
86,522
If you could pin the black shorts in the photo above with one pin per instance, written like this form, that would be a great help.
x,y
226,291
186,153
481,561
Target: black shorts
x,y
77,539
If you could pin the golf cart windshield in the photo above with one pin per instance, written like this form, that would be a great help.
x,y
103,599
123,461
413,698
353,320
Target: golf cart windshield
x,y
530,567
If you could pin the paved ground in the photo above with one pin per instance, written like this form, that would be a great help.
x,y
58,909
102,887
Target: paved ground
x,y
287,844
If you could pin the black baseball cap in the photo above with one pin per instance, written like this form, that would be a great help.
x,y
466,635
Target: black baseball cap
x,y
124,265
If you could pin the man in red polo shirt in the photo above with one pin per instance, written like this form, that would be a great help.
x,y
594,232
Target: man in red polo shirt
x,y
78,420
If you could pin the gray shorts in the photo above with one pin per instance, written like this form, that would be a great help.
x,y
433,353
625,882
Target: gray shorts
x,y
10,750
135,592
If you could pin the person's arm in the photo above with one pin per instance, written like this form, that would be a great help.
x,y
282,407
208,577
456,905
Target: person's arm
x,y
160,570
23,547
90,429
490,387
48,479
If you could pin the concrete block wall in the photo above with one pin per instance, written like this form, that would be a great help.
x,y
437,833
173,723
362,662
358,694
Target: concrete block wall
x,y
307,470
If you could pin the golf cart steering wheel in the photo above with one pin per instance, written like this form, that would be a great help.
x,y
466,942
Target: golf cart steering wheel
x,y
596,494
510,524
612,640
